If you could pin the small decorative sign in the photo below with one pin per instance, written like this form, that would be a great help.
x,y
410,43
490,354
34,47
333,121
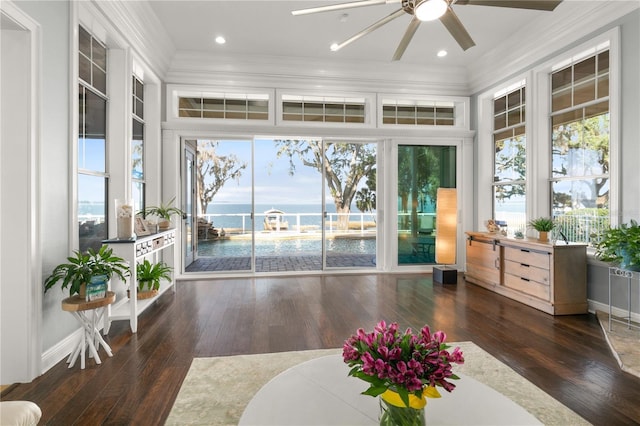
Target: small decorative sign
x,y
141,227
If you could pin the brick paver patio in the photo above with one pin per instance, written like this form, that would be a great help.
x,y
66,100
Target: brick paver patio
x,y
282,263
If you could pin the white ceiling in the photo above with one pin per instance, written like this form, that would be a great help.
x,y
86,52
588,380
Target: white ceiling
x,y
266,27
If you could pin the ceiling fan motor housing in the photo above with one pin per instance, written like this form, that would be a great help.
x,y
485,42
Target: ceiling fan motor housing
x,y
408,6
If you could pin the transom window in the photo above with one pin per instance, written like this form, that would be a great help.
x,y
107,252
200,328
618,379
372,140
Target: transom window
x,y
418,113
225,106
323,109
580,144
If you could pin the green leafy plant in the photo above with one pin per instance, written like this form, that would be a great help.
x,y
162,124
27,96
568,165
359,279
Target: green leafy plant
x,y
620,246
164,211
149,274
542,224
83,266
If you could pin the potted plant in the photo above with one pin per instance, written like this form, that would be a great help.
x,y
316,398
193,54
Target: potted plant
x,y
620,246
85,268
164,212
543,225
149,275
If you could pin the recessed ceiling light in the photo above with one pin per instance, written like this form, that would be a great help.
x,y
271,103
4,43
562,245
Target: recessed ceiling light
x,y
442,53
220,40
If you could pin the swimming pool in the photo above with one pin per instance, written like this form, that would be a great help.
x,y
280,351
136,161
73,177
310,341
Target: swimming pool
x,y
284,247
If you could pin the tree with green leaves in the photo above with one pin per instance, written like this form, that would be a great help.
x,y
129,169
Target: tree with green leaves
x,y
213,171
366,196
581,148
418,173
344,164
510,161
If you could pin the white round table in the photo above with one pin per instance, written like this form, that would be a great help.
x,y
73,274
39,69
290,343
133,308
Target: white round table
x,y
319,392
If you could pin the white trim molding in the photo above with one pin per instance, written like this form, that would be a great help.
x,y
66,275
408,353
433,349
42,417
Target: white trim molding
x,y
20,203
572,21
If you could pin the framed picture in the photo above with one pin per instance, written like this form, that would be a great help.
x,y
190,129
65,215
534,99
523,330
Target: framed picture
x,y
141,227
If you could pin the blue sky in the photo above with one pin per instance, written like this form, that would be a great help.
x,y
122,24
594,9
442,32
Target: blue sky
x,y
273,184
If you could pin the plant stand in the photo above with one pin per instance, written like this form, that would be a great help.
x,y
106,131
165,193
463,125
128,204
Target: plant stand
x,y
629,277
89,315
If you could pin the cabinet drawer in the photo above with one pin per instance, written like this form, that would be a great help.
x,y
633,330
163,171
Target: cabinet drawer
x,y
527,257
526,271
533,288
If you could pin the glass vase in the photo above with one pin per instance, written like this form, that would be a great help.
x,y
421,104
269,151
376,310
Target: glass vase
x,y
124,219
393,412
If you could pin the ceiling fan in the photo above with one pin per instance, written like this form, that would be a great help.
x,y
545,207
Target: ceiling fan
x,y
426,10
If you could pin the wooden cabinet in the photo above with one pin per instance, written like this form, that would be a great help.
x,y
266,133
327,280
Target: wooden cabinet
x,y
549,277
483,260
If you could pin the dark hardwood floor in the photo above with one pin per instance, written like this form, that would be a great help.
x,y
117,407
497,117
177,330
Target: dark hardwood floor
x,y
565,356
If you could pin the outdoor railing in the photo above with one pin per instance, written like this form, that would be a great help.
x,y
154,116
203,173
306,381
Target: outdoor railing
x,y
577,228
580,228
297,221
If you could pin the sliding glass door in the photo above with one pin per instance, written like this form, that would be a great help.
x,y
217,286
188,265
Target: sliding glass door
x,y
224,187
421,170
288,206
350,224
285,205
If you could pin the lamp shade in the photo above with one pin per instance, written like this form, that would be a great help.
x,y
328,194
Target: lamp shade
x,y
446,225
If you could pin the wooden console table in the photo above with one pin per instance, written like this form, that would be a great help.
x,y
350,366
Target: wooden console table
x,y
89,314
550,277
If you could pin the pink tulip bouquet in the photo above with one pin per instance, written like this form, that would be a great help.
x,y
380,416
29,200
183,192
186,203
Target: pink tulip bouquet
x,y
406,363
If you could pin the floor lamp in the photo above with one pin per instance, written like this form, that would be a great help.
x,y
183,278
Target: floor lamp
x,y
446,236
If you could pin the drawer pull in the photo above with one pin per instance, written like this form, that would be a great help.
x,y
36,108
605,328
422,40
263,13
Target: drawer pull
x,y
525,279
524,265
525,250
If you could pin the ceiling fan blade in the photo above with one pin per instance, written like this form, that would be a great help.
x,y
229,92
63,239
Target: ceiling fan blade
x,y
370,28
341,6
547,5
406,39
457,30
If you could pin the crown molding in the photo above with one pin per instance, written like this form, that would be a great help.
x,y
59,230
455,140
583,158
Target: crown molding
x,y
190,67
577,20
142,30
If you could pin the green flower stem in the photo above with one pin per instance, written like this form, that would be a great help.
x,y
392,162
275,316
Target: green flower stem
x,y
390,415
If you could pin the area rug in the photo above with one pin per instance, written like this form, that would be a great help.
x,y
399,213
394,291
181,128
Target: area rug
x,y
216,390
624,343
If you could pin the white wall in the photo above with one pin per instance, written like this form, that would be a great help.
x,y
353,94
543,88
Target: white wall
x,y
19,255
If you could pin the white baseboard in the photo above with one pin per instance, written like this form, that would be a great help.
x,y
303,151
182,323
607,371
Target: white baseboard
x,y
618,312
60,351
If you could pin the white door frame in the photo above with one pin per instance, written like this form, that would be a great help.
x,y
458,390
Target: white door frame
x,y
20,249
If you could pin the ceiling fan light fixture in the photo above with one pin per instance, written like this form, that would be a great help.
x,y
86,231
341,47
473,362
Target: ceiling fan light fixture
x,y
429,10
